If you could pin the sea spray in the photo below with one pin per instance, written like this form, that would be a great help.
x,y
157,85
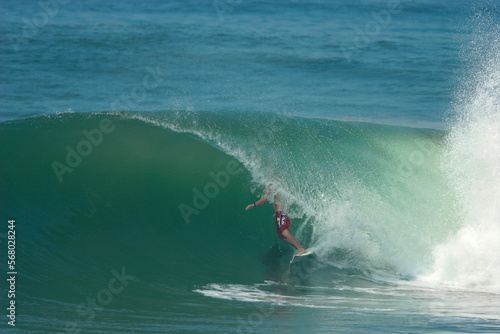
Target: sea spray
x,y
364,196
471,257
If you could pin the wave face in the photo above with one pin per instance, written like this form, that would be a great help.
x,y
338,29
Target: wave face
x,y
168,191
158,199
363,196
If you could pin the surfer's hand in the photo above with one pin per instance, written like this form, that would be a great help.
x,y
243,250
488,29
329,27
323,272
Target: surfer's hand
x,y
249,207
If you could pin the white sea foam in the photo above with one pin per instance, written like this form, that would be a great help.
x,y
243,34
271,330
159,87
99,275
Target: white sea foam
x,y
471,257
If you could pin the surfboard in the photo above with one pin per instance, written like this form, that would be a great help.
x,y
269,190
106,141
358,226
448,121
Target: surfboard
x,y
299,270
297,258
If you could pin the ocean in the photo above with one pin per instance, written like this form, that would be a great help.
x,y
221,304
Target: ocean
x,y
134,134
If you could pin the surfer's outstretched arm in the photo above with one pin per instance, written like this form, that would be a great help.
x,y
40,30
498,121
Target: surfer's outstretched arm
x,y
259,202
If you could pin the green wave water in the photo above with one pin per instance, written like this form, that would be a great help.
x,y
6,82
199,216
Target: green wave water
x,y
361,195
151,206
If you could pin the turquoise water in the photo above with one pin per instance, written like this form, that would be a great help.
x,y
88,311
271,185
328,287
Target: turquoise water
x,y
134,135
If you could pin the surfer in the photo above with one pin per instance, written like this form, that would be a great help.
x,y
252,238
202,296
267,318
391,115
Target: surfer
x,y
281,220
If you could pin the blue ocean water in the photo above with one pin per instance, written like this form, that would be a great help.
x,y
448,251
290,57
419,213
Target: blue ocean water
x,y
383,61
133,135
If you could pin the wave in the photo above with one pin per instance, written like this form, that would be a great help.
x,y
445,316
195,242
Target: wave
x,y
471,257
163,193
167,184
